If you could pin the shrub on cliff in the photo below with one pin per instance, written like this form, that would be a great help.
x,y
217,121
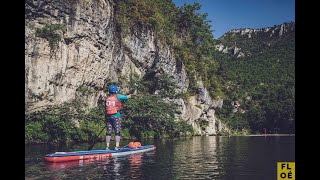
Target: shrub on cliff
x,y
52,33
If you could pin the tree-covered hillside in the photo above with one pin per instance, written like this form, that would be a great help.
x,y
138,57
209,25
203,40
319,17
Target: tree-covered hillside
x,y
260,87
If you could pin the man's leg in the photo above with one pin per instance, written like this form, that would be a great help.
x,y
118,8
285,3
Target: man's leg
x,y
117,127
109,131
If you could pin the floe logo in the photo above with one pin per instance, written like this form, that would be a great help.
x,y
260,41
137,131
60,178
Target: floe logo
x,y
286,171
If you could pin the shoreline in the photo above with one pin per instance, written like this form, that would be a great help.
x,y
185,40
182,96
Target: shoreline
x,y
272,135
35,143
253,135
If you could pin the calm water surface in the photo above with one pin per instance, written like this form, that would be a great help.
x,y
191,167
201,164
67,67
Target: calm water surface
x,y
207,157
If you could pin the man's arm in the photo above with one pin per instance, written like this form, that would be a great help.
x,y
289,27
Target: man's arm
x,y
122,97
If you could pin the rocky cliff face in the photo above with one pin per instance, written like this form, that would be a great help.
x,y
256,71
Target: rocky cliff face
x,y
91,53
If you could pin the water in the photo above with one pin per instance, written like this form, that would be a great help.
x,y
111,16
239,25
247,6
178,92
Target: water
x,y
207,157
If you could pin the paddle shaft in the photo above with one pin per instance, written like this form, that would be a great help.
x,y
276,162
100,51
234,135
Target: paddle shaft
x,y
91,146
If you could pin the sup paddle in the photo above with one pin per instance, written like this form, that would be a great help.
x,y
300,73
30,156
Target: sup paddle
x,y
95,139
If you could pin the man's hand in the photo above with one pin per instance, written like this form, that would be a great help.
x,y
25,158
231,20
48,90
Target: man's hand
x,y
130,95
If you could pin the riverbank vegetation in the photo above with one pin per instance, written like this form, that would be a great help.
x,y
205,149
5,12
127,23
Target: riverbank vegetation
x,y
145,115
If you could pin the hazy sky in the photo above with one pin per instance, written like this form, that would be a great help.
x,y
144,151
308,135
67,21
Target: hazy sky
x,y
234,14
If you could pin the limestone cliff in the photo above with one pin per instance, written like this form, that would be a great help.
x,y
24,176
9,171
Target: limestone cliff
x,y
91,53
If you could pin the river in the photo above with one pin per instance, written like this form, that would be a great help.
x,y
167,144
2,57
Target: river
x,y
200,157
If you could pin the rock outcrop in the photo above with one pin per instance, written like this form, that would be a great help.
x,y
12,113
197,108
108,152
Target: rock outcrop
x,y
90,54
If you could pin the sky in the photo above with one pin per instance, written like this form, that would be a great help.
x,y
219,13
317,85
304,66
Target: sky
x,y
226,15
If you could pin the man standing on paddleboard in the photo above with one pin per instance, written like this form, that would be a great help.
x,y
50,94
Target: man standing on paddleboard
x,y
112,114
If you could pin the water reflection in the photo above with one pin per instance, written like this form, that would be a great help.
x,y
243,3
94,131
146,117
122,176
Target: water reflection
x,y
112,168
135,166
184,158
120,167
196,159
62,165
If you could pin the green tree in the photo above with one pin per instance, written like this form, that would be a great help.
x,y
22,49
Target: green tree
x,y
148,113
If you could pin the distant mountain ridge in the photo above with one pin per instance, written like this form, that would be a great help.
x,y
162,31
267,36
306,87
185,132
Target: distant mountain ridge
x,y
247,41
276,30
